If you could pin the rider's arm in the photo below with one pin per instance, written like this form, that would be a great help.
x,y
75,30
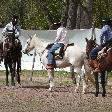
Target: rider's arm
x,y
102,36
18,31
5,30
105,34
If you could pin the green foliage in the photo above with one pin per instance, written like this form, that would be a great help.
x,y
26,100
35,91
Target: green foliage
x,y
37,14
32,15
102,10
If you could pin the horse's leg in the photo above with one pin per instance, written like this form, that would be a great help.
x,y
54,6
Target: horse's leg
x,y
96,84
106,78
12,74
51,78
103,83
88,73
18,70
72,74
7,74
81,76
19,64
84,81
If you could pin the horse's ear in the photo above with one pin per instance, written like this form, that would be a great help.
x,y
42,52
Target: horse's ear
x,y
35,35
30,37
86,39
94,39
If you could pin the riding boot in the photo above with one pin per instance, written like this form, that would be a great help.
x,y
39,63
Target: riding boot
x,y
95,65
50,66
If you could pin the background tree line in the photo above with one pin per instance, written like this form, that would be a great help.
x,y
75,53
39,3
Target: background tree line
x,y
41,14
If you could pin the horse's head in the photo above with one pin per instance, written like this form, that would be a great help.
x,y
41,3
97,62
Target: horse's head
x,y
11,37
90,45
30,45
9,40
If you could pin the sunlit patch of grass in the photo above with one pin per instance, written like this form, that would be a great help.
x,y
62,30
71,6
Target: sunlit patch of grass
x,y
39,77
34,72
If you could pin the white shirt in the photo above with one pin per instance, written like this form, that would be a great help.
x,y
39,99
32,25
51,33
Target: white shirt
x,y
61,36
9,28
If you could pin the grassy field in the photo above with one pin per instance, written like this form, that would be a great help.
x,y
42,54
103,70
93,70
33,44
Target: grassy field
x,y
40,76
63,76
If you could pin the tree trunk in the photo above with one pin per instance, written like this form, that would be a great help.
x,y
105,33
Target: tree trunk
x,y
65,12
72,14
85,14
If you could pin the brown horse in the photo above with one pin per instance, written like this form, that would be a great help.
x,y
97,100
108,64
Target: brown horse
x,y
12,58
104,64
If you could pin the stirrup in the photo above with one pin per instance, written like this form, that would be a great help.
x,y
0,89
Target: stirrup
x,y
58,57
96,70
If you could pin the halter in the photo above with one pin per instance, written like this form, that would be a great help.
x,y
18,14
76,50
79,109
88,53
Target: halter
x,y
92,44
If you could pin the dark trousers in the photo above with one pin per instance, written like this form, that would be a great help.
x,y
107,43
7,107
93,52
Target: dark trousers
x,y
94,52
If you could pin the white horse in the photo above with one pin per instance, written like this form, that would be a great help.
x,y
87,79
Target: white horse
x,y
73,57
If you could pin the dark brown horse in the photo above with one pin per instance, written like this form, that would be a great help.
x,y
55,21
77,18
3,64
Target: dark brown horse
x,y
12,58
104,64
1,51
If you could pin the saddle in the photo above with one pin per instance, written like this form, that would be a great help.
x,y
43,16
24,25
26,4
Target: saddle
x,y
104,51
59,53
98,64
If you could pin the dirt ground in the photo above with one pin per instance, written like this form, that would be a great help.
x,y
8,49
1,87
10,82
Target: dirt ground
x,y
35,97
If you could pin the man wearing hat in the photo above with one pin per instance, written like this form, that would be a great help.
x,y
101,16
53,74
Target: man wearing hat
x,y
59,42
105,39
13,26
106,32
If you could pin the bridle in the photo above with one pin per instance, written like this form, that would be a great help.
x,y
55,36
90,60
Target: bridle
x,y
91,44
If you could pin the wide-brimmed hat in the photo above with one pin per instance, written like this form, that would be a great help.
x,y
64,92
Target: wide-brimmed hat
x,y
15,17
107,20
58,23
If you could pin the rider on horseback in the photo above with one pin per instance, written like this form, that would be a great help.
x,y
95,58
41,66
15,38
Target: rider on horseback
x,y
12,27
59,42
105,39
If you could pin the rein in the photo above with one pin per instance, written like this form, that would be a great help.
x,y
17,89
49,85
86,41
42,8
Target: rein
x,y
40,55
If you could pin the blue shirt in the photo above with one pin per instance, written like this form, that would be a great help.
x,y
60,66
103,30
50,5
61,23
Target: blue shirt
x,y
106,34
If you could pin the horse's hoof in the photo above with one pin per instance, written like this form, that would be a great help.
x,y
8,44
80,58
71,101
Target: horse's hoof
x,y
74,81
103,95
30,78
7,84
96,94
13,84
50,89
84,92
19,85
76,90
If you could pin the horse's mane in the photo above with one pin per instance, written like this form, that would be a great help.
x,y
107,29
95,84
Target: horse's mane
x,y
39,38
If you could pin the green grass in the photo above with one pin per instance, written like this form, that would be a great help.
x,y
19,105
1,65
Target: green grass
x,y
42,73
40,77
